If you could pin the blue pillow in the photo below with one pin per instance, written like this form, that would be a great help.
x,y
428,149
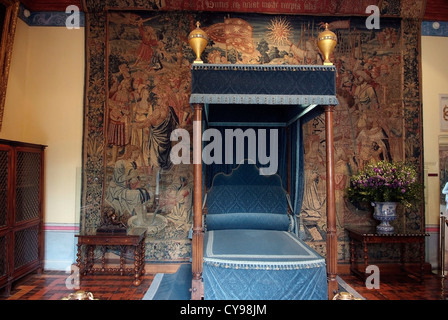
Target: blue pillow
x,y
247,220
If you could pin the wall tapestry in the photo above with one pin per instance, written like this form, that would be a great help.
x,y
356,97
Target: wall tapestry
x,y
137,91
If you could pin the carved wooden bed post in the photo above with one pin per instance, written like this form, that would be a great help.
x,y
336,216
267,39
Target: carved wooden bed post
x,y
197,289
332,246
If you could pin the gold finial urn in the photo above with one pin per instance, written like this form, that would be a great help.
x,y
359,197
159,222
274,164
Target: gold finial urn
x,y
327,41
198,41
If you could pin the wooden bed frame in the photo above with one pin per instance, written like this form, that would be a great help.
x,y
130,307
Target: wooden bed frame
x,y
198,101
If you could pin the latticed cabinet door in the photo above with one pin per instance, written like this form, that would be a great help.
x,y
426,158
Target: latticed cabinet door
x,y
5,209
27,215
21,215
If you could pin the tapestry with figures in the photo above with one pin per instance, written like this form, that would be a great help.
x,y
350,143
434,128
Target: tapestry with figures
x,y
137,93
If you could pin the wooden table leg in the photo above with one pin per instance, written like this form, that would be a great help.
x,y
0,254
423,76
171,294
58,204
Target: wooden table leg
x,y
422,259
142,256
352,255
402,255
137,264
90,259
103,259
366,256
79,261
122,251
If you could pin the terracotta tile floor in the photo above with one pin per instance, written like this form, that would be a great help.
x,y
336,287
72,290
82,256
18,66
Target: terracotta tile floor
x,y
51,286
402,287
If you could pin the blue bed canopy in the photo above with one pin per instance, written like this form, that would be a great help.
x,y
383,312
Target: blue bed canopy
x,y
283,97
280,97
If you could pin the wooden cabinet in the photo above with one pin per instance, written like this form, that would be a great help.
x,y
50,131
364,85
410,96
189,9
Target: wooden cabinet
x,y
21,212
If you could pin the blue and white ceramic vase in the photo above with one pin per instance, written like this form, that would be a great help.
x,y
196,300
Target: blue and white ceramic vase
x,y
384,212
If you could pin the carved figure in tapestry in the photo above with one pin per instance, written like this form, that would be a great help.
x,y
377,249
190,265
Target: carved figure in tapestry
x,y
146,52
380,141
163,121
343,168
118,131
365,94
370,141
179,197
140,131
177,85
347,81
313,204
126,192
393,125
309,55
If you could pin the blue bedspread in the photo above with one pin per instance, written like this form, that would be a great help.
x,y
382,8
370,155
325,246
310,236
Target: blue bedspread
x,y
261,265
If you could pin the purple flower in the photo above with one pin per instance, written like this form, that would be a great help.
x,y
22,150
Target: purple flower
x,y
384,181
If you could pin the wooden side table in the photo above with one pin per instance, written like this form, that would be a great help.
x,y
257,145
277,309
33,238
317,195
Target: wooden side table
x,y
134,238
366,235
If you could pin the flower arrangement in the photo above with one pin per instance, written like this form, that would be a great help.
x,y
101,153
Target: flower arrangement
x,y
385,182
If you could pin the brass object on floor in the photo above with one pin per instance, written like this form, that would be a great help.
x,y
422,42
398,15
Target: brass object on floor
x,y
345,296
80,295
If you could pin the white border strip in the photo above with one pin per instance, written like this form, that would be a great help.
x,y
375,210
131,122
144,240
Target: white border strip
x,y
154,287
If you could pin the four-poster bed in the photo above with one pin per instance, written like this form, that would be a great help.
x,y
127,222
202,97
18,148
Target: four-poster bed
x,y
279,97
